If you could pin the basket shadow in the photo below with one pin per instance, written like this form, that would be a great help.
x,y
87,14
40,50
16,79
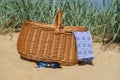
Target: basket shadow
x,y
80,63
26,59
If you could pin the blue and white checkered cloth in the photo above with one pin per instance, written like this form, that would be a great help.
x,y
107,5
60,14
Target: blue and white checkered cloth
x,y
84,46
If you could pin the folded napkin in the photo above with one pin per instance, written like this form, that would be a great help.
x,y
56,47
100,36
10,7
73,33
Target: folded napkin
x,y
84,46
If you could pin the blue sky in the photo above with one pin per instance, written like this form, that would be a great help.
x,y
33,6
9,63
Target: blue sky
x,y
100,2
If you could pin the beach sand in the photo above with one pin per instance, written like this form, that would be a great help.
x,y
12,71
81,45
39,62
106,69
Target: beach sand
x,y
12,67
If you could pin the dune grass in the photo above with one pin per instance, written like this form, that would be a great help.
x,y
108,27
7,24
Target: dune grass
x,y
103,23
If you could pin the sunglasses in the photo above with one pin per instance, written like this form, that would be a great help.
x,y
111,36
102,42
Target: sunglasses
x,y
42,64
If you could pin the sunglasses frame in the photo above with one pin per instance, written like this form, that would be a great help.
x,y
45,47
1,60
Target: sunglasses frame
x,y
43,64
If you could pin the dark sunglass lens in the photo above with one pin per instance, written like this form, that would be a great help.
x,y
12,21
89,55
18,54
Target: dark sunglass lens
x,y
42,64
55,65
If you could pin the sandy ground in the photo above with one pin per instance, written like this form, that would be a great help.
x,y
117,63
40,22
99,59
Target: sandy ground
x,y
106,65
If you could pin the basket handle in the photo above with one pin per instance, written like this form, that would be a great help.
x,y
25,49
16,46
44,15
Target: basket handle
x,y
58,20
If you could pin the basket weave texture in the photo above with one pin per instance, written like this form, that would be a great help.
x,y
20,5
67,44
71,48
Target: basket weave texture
x,y
51,43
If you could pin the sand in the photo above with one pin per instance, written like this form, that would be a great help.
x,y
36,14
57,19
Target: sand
x,y
12,67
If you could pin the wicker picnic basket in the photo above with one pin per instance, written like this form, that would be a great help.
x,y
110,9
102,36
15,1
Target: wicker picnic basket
x,y
46,42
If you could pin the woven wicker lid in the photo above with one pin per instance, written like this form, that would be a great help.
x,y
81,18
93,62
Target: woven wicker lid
x,y
57,26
